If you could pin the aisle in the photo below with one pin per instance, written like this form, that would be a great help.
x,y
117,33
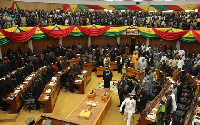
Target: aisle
x,y
67,101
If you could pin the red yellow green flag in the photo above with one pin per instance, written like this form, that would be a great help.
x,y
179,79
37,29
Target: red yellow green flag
x,y
15,6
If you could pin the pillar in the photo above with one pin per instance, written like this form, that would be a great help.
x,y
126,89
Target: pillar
x,y
118,40
147,41
30,44
89,41
60,41
0,53
178,44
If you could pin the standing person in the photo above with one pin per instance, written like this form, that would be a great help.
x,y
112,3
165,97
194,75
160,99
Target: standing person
x,y
119,63
37,90
107,77
130,106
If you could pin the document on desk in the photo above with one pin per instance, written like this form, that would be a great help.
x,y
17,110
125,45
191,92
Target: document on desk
x,y
151,116
29,78
46,97
80,76
54,78
16,91
48,91
26,82
52,83
84,71
78,80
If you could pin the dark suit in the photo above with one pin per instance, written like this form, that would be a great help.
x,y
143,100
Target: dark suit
x,y
9,86
107,77
99,63
169,104
3,94
37,90
119,64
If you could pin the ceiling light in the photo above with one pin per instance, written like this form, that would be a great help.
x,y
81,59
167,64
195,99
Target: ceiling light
x,y
108,0
137,0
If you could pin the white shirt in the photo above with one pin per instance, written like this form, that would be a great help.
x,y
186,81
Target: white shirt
x,y
180,63
174,106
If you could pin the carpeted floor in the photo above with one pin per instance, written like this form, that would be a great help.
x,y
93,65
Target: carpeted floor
x,y
67,101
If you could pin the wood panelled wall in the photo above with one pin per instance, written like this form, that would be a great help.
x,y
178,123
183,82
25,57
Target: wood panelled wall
x,y
99,40
13,46
158,41
70,40
103,40
41,43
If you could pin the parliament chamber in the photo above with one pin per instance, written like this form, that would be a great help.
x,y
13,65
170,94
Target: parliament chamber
x,y
99,62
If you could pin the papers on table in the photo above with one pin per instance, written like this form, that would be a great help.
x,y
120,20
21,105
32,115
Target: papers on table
x,y
54,79
52,83
78,80
84,71
151,116
80,76
46,97
29,78
21,86
10,97
25,82
48,91
16,91
171,80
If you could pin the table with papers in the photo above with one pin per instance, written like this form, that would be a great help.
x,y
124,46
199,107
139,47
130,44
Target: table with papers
x,y
14,98
50,92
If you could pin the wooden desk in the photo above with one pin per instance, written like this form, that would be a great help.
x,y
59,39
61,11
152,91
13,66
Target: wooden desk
x,y
131,71
114,65
101,69
144,120
89,66
55,120
16,102
74,60
84,81
81,85
98,112
52,95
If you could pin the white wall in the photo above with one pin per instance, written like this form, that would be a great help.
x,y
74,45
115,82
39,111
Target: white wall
x,y
102,2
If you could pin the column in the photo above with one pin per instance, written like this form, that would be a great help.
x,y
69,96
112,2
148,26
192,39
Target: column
x,y
60,41
30,44
147,41
178,44
0,53
118,40
89,41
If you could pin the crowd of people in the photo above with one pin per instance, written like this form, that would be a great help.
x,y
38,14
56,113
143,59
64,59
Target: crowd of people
x,y
10,18
149,60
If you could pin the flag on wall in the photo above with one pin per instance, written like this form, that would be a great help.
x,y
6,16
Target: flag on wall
x,y
65,7
73,7
198,9
15,6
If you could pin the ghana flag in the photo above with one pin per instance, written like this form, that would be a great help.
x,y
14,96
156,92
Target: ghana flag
x,y
15,6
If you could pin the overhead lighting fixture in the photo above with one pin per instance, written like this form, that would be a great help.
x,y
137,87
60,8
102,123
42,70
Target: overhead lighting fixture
x,y
168,11
108,0
168,0
118,0
137,0
189,10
